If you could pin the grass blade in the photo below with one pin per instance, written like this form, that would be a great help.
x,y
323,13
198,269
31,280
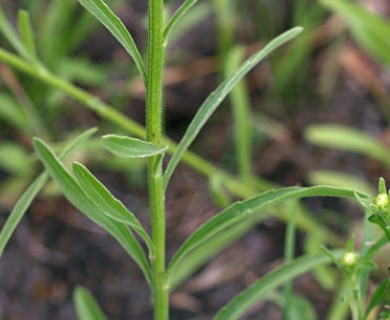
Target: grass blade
x,y
369,30
242,210
344,138
28,196
240,102
73,192
177,16
131,147
26,33
12,37
258,291
107,203
215,98
86,305
104,14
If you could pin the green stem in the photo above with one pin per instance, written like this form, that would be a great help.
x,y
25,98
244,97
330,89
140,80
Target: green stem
x,y
154,110
235,186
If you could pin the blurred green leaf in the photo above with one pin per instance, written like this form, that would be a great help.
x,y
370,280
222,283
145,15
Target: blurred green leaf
x,y
215,99
131,147
107,203
261,288
369,30
12,37
242,210
28,196
86,306
339,179
26,33
12,113
380,296
104,14
345,138
15,160
78,198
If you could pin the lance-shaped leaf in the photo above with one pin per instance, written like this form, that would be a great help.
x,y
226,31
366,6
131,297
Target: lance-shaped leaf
x,y
105,15
28,196
86,306
244,209
107,203
177,16
216,98
128,147
261,288
78,198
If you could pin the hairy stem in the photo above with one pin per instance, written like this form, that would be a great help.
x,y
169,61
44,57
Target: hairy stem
x,y
154,111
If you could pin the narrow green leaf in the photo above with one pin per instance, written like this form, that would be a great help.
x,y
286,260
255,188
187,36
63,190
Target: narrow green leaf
x,y
242,117
177,16
380,296
344,138
131,147
261,288
369,30
78,198
86,306
104,14
26,33
107,203
243,209
216,98
28,196
9,33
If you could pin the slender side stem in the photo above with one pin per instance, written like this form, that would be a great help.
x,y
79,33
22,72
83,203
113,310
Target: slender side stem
x,y
154,110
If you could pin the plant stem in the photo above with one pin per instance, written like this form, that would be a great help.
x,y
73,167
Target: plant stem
x,y
154,110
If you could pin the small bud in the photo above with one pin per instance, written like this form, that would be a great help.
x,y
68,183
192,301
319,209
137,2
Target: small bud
x,y
382,201
349,259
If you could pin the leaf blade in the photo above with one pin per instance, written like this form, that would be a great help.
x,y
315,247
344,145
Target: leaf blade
x,y
216,98
86,306
106,16
77,197
131,147
109,205
257,291
241,210
28,196
177,16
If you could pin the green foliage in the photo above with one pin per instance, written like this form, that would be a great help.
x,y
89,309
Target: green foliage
x,y
369,30
49,63
86,305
